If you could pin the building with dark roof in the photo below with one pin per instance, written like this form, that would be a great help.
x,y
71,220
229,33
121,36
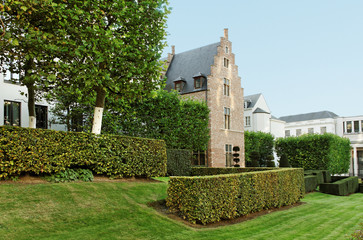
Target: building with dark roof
x,y
210,74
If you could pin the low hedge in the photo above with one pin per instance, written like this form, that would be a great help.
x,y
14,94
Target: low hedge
x,y
25,150
318,173
205,171
342,187
179,162
311,183
207,199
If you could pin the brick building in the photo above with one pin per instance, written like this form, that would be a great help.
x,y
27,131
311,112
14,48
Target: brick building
x,y
209,74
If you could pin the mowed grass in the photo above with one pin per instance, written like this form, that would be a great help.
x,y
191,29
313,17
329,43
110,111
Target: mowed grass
x,y
118,210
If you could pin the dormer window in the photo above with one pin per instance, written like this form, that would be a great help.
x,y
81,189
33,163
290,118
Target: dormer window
x,y
199,79
179,84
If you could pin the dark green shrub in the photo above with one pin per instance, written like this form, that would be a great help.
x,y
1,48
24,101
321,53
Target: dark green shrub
x,y
318,173
284,162
40,151
260,142
361,187
270,161
207,199
70,175
316,152
327,176
179,162
206,171
311,183
255,157
341,187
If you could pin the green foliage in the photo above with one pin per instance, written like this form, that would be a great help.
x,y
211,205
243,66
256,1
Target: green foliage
x,y
270,161
311,183
70,175
255,157
260,142
24,150
284,162
206,171
207,199
316,151
181,123
342,187
179,162
318,173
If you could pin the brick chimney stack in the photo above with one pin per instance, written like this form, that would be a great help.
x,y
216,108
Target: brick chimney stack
x,y
226,33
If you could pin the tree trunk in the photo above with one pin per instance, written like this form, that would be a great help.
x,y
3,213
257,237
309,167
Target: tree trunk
x,y
97,117
31,106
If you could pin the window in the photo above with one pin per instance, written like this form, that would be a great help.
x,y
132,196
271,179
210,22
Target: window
x,y
361,124
226,62
343,127
322,130
298,132
356,126
248,121
199,158
178,86
310,130
226,50
287,133
228,152
41,113
11,113
227,120
349,126
226,87
197,83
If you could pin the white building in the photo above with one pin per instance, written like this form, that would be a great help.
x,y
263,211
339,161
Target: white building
x,y
14,107
325,121
258,117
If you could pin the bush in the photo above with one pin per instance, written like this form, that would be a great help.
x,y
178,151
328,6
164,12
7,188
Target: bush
x,y
316,152
25,150
206,171
270,161
70,175
342,187
311,183
207,199
179,162
260,142
317,173
284,162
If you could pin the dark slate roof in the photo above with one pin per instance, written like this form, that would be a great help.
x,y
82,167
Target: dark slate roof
x,y
191,63
252,99
308,116
259,110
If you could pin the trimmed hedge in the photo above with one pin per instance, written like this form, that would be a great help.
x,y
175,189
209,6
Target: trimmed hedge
x,y
206,171
179,162
316,152
311,183
207,199
25,150
318,173
342,187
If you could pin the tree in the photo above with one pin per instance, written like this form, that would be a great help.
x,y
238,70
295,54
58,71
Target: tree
x,y
260,142
112,48
26,45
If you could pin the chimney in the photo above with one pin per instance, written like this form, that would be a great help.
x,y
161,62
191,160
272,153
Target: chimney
x,y
226,33
173,50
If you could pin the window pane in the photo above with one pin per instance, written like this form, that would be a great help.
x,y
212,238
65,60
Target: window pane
x,y
310,130
41,113
361,124
287,133
11,113
349,126
356,126
323,130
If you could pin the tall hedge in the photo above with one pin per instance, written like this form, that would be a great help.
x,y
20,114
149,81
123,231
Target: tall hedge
x,y
261,143
181,123
179,162
316,152
207,199
25,150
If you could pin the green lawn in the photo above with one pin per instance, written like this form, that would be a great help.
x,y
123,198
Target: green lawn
x,y
118,210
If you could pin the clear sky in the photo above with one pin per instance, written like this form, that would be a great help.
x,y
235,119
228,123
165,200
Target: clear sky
x,y
303,56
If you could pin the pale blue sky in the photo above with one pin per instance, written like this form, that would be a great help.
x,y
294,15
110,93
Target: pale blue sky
x,y
303,56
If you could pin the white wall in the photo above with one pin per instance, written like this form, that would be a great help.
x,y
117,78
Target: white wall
x,y
11,92
277,128
329,123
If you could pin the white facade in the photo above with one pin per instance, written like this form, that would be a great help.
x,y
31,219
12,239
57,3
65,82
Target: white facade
x,y
10,94
258,117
